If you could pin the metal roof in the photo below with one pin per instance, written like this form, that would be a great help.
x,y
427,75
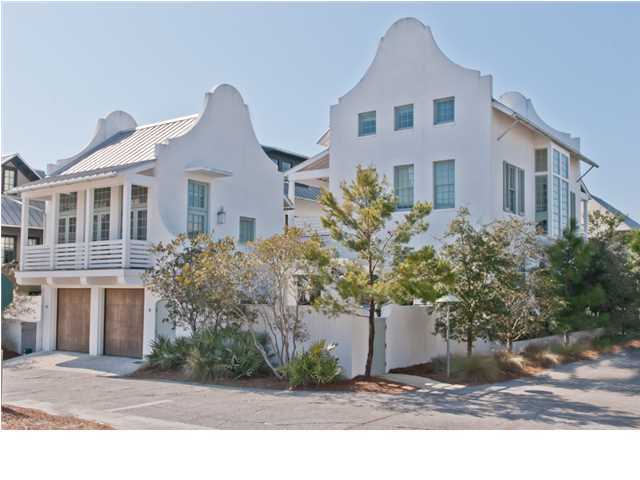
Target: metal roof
x,y
541,129
626,219
129,147
12,213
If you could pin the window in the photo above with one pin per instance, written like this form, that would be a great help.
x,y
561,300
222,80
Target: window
x,y
138,219
560,194
444,184
101,213
8,249
404,117
542,199
32,241
513,189
8,179
403,185
198,207
366,123
67,217
541,160
284,165
247,229
443,110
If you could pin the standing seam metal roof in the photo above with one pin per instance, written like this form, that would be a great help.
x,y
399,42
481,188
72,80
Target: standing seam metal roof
x,y
12,213
129,147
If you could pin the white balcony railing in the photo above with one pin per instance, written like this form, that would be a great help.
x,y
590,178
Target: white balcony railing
x,y
310,223
109,254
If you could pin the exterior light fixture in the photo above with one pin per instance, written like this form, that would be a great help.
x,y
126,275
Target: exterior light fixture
x,y
221,216
448,300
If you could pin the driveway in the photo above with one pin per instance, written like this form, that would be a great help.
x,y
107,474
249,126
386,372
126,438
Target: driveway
x,y
600,394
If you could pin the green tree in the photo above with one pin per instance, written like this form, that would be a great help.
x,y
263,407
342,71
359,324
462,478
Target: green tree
x,y
476,255
577,280
362,222
613,258
526,300
280,273
197,276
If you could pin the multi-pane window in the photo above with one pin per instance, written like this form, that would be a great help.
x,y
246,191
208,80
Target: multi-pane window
x,y
67,217
542,190
403,117
444,184
101,213
513,189
247,229
8,179
198,207
541,160
366,123
32,241
403,185
138,220
8,249
560,193
443,110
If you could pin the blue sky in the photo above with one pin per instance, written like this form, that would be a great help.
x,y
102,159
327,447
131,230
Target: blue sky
x,y
66,65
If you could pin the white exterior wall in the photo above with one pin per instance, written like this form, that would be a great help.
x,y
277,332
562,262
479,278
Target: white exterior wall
x,y
410,68
222,139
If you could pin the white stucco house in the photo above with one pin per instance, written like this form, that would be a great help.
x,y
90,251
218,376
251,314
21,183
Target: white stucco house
x,y
131,186
438,133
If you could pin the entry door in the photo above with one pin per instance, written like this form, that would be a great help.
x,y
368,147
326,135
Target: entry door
x,y
74,305
123,322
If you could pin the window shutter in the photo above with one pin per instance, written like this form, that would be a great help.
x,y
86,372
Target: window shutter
x,y
521,191
505,186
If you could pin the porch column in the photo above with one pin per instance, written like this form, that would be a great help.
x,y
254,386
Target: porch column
x,y
88,217
24,231
96,321
114,213
126,220
51,226
48,321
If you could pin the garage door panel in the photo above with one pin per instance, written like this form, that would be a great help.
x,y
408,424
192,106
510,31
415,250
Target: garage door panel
x,y
74,309
123,322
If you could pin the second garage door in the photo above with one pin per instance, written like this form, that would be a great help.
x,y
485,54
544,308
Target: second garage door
x,y
123,322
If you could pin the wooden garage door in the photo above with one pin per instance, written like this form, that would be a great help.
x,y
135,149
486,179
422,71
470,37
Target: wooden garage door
x,y
123,322
74,305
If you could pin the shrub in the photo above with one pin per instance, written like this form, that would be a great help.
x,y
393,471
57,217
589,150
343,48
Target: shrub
x,y
570,352
210,354
224,353
511,363
167,354
541,356
316,366
471,369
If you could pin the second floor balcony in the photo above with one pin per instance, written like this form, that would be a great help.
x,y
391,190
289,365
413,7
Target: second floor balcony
x,y
92,226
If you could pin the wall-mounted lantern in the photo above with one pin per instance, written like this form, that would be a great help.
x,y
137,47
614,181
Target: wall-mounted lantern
x,y
221,216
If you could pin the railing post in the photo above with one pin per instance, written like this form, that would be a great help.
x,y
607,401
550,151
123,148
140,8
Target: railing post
x,y
126,208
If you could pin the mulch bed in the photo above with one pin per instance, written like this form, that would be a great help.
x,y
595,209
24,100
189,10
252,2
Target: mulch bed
x,y
358,384
18,418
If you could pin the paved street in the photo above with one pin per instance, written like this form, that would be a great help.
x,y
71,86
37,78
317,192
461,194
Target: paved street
x,y
601,394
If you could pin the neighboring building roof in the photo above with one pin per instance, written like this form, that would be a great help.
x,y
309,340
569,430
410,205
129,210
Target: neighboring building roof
x,y
627,220
12,213
307,192
23,166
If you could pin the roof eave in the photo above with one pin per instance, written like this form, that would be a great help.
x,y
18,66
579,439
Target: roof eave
x,y
525,121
